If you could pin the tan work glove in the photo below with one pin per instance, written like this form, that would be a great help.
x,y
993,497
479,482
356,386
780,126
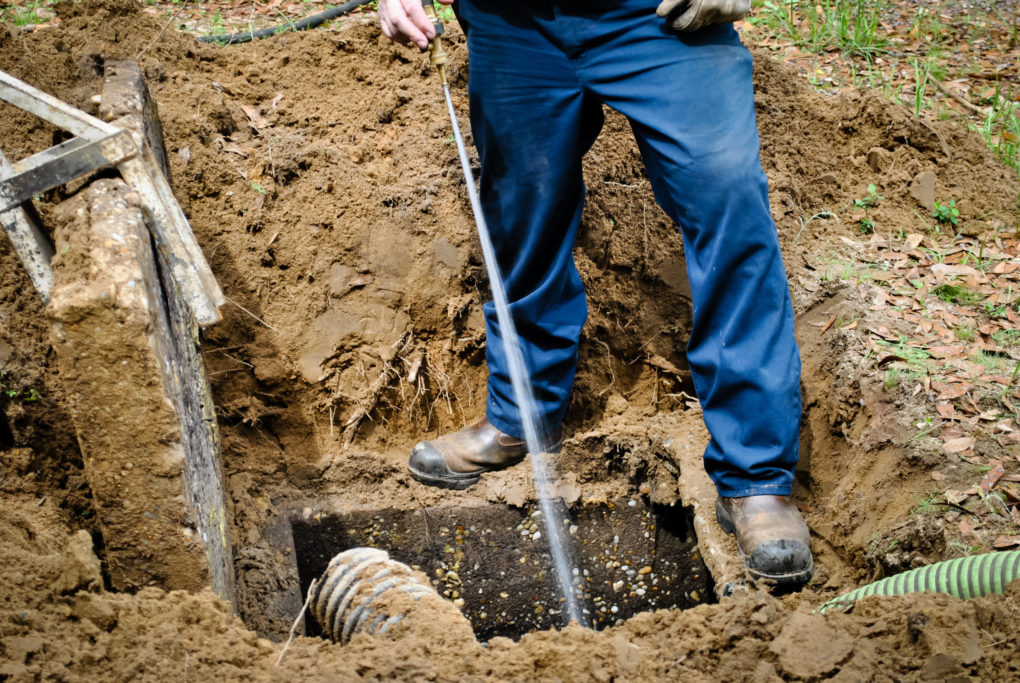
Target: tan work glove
x,y
690,15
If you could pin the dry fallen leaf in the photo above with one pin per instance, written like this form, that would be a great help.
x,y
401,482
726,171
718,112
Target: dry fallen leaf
x,y
944,351
992,476
950,392
254,117
945,410
1005,542
958,445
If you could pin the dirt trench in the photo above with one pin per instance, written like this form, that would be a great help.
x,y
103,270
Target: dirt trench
x,y
320,179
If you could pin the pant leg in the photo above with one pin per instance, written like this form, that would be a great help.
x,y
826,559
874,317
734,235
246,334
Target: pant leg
x,y
691,106
532,123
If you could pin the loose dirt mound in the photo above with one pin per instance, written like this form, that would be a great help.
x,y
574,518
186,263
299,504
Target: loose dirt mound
x,y
321,181
56,623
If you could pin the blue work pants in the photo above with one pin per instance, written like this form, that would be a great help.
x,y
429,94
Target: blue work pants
x,y
540,71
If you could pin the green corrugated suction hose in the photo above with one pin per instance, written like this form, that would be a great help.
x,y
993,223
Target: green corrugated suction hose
x,y
964,577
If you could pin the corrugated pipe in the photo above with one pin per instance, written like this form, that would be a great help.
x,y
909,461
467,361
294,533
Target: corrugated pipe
x,y
964,578
361,591
308,22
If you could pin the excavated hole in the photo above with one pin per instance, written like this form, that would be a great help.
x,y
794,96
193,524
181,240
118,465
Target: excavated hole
x,y
628,558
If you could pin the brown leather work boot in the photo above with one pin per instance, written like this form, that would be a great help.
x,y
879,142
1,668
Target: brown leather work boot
x,y
457,460
771,536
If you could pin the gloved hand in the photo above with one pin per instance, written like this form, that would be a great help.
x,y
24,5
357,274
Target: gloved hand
x,y
690,15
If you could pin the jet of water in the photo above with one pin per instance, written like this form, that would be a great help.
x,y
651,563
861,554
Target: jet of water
x,y
521,383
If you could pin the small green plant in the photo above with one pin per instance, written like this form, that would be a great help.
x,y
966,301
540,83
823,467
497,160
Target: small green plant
x,y
995,310
24,395
892,378
257,186
871,200
964,333
946,213
926,503
956,293
25,15
866,224
216,24
920,86
1001,128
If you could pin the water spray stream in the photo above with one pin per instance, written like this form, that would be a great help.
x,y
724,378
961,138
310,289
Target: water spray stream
x,y
521,383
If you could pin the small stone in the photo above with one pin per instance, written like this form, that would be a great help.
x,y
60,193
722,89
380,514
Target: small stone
x,y
879,159
617,585
538,535
645,570
458,603
922,188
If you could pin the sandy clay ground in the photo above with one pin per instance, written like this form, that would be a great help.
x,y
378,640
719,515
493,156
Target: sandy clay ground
x,y
321,181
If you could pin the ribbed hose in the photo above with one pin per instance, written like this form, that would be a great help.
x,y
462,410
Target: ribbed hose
x,y
964,578
308,22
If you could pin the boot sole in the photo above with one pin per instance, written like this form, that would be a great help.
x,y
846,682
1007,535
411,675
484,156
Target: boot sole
x,y
791,578
457,481
450,481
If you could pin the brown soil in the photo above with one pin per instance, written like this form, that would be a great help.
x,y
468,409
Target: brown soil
x,y
321,183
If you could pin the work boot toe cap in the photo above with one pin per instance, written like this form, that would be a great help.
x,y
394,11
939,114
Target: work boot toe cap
x,y
784,560
427,459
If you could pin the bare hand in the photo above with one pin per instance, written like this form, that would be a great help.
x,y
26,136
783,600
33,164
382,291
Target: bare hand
x,y
405,22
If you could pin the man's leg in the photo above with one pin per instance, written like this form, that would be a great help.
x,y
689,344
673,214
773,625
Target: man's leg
x,y
532,123
690,103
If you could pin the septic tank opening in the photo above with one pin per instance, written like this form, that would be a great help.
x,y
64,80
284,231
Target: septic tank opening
x,y
493,560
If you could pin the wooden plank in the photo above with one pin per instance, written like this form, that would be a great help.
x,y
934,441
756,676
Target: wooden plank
x,y
126,101
128,104
30,243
